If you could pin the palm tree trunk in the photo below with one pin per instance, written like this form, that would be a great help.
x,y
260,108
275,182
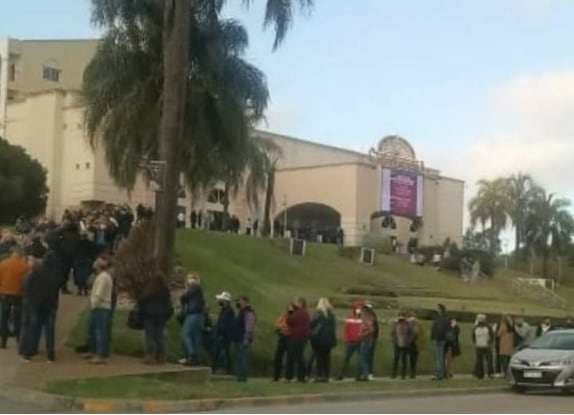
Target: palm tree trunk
x,y
493,241
269,192
177,15
517,243
545,264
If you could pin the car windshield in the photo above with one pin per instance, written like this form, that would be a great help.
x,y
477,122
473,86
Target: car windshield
x,y
555,341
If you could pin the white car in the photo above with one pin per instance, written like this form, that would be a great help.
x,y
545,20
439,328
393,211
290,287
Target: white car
x,y
545,363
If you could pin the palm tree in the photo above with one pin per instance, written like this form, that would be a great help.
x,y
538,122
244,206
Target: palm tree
x,y
490,207
521,189
549,226
126,104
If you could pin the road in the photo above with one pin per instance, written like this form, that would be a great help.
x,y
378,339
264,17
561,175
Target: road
x,y
483,403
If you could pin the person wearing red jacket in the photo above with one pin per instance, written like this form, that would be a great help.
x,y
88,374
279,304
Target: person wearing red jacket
x,y
352,337
299,324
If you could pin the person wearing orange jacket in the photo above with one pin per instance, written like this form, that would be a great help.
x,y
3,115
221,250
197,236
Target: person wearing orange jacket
x,y
12,272
283,334
352,338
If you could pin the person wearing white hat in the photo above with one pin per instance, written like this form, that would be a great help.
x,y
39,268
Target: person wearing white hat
x,y
223,333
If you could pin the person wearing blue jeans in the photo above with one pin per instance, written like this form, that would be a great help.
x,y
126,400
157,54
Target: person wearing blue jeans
x,y
191,336
101,309
365,350
242,361
366,334
193,310
439,331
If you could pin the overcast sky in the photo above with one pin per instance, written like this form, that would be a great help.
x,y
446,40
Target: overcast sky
x,y
479,87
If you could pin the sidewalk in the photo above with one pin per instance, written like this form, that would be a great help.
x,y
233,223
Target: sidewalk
x,y
69,365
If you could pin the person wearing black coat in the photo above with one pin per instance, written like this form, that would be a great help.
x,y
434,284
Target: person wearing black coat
x,y
223,334
323,338
83,263
155,309
41,296
67,243
439,332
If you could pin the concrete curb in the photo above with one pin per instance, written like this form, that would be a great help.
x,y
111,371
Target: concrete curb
x,y
52,401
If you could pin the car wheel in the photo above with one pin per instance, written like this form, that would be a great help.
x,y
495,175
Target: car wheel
x,y
518,389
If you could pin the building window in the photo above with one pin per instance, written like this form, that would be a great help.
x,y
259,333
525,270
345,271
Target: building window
x,y
51,74
12,73
216,196
77,166
87,165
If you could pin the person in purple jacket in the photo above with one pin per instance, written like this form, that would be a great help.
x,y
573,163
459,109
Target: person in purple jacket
x,y
244,334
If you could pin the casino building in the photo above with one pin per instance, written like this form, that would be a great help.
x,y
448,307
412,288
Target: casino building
x,y
319,189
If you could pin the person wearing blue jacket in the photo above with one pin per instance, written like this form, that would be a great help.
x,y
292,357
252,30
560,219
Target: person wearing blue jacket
x,y
224,331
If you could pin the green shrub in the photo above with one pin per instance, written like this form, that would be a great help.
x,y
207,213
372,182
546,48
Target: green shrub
x,y
350,252
487,261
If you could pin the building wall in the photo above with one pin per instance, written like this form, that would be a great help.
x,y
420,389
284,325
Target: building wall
x,y
50,127
69,56
301,153
25,59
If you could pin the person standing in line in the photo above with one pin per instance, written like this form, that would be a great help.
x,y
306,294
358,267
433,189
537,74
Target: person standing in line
x,y
41,294
323,338
522,332
483,339
156,310
366,335
193,310
244,335
402,339
13,270
351,337
101,306
506,343
223,333
438,337
83,263
496,358
283,339
452,346
375,340
417,330
299,327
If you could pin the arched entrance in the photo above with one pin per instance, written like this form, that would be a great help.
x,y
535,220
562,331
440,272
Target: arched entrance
x,y
310,221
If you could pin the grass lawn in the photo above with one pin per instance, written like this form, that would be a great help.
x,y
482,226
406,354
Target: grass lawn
x,y
265,271
135,387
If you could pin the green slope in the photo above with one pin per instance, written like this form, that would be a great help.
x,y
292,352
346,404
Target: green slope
x,y
264,270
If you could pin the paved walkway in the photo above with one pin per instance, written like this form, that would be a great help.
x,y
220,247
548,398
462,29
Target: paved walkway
x,y
70,365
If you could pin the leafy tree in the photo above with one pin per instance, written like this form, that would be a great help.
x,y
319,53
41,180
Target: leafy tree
x,y
521,189
549,227
190,105
23,189
490,207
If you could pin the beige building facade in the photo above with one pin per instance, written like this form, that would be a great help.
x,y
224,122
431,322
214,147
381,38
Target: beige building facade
x,y
319,189
32,66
